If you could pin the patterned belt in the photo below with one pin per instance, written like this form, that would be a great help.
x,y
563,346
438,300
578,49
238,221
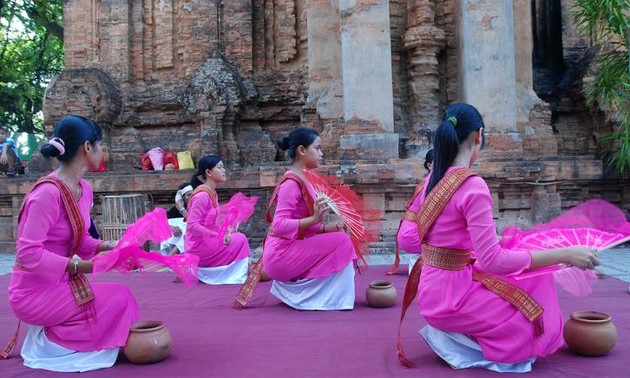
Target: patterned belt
x,y
445,258
457,259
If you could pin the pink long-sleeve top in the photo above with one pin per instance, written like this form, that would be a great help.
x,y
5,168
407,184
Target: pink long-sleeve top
x,y
290,209
45,236
466,223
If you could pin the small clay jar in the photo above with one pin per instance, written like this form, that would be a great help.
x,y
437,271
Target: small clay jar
x,y
381,294
148,342
590,333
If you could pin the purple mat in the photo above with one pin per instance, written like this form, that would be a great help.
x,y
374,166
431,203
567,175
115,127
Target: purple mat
x,y
268,339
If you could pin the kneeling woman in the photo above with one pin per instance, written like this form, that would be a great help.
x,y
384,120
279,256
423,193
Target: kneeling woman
x,y
478,314
310,262
75,325
220,261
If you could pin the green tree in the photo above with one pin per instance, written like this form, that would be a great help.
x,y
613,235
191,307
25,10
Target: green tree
x,y
31,54
607,24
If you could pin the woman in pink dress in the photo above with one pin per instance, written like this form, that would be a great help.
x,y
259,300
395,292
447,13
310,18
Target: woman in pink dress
x,y
478,315
220,261
75,325
311,262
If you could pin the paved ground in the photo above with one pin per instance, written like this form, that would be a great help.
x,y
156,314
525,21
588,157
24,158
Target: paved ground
x,y
615,262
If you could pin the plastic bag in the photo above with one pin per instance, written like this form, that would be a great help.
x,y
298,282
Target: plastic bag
x,y
185,160
157,158
145,162
102,167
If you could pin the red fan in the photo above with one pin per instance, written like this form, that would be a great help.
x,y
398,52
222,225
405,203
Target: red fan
x,y
593,224
362,222
127,256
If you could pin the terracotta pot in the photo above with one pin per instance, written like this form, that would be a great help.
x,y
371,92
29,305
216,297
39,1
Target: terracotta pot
x,y
590,333
148,342
381,294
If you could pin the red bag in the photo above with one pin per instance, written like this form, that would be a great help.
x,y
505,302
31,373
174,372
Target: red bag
x,y
170,158
102,167
145,162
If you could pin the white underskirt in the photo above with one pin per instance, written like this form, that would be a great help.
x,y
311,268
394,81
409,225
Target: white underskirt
x,y
40,353
335,292
412,260
462,352
233,274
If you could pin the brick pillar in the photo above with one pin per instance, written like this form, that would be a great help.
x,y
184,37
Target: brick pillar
x,y
367,81
324,58
423,41
487,77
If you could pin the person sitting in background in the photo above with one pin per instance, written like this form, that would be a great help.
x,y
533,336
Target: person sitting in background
x,y
10,162
182,197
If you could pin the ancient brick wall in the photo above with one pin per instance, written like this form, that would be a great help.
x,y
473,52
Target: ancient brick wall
x,y
233,76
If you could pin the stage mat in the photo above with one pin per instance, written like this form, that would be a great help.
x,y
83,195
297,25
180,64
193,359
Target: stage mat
x,y
268,339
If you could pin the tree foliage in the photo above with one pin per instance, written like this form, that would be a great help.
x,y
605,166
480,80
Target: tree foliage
x,y
31,54
607,23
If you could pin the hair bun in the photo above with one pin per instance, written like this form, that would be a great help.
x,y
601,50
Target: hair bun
x,y
284,143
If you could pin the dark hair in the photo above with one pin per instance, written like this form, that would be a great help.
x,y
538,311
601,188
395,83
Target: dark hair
x,y
302,136
71,132
428,158
459,121
206,162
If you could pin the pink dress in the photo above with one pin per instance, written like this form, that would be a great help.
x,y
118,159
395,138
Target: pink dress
x,y
39,293
200,238
453,302
288,256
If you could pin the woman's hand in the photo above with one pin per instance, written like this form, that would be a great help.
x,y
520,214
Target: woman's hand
x,y
340,226
582,257
107,245
320,208
176,231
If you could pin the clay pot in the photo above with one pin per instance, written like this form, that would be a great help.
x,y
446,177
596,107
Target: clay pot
x,y
381,294
590,333
148,342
